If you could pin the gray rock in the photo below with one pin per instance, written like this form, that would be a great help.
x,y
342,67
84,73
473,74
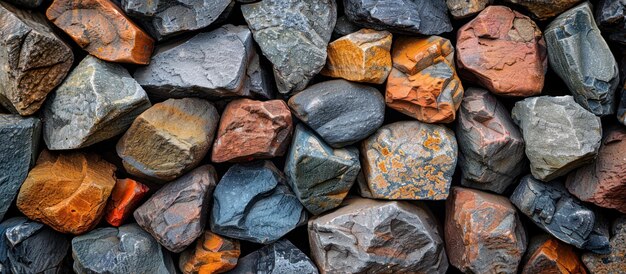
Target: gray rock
x,y
260,80
252,202
466,8
209,65
560,135
611,19
97,101
344,27
29,4
18,151
281,257
614,261
176,214
581,57
371,236
319,175
404,16
127,249
293,35
341,112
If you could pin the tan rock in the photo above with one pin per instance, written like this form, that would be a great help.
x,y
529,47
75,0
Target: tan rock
x,y
211,254
545,9
466,8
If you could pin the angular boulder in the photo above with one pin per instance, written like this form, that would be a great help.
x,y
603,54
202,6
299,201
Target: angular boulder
x,y
614,261
211,254
125,197
553,256
463,8
279,257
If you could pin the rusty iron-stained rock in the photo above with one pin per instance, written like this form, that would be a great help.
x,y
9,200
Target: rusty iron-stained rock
x,y
466,8
615,261
553,256
277,258
211,254
125,197
545,9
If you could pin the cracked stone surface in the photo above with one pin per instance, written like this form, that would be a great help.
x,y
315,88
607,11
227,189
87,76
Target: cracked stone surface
x,y
545,9
611,19
613,262
466,8
125,198
279,257
553,256
211,254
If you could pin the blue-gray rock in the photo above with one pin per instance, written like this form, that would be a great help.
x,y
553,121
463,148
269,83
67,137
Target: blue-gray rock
x,y
252,202
127,249
281,257
293,35
18,151
97,101
319,175
403,16
341,112
611,19
260,80
581,57
344,27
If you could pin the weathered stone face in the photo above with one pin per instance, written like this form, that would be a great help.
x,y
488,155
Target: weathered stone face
x,y
125,197
370,236
279,257
211,254
545,9
553,256
611,17
34,60
408,160
466,8
614,261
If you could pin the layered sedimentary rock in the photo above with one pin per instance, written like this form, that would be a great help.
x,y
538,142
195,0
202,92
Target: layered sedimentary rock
x,y
466,8
211,254
612,262
611,16
545,9
279,257
553,256
125,197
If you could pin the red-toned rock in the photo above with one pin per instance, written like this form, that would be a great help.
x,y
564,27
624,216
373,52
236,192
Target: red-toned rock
x,y
504,51
251,129
553,256
211,254
125,198
101,28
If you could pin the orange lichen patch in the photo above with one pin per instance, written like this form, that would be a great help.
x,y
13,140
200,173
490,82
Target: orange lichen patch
x,y
554,257
125,198
212,254
433,141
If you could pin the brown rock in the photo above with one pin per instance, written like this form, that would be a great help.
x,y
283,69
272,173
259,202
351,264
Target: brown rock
x,y
504,51
466,8
125,198
362,56
101,28
212,254
483,232
251,129
553,256
615,261
423,83
67,191
545,9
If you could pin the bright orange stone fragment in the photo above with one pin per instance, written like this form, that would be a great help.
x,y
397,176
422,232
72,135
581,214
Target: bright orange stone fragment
x,y
125,198
212,254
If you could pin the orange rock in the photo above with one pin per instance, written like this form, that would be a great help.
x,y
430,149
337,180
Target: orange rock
x,y
423,83
362,56
67,191
101,28
125,198
212,254
553,256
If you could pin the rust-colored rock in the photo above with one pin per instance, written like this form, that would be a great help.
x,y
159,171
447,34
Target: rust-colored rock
x,y
504,51
553,256
211,254
362,56
545,9
483,232
251,129
423,83
67,191
125,198
101,28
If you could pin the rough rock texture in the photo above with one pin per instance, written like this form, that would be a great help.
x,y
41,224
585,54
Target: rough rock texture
x,y
408,160
67,191
466,8
621,108
101,28
260,80
211,254
29,4
611,19
34,60
211,65
483,232
127,249
319,175
613,262
581,57
492,148
545,9
370,236
97,101
423,83
344,27
293,35
31,247
252,202
125,197
340,112
19,148
362,56
279,257
251,129
176,214
504,51
560,135
603,182
168,139
553,256
404,16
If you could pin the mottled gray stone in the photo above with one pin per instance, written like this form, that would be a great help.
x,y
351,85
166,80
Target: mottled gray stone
x,y
176,214
611,19
613,262
581,57
319,175
97,101
371,236
252,202
560,135
19,140
293,35
344,27
404,16
466,8
29,4
127,249
281,257
341,112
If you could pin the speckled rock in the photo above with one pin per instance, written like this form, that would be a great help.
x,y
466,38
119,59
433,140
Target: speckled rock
x,y
553,256
466,8
370,236
252,202
408,160
581,57
293,35
176,214
277,258
342,113
611,19
544,9
125,197
613,262
211,254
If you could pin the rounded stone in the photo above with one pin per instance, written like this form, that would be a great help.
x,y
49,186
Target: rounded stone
x,y
211,254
